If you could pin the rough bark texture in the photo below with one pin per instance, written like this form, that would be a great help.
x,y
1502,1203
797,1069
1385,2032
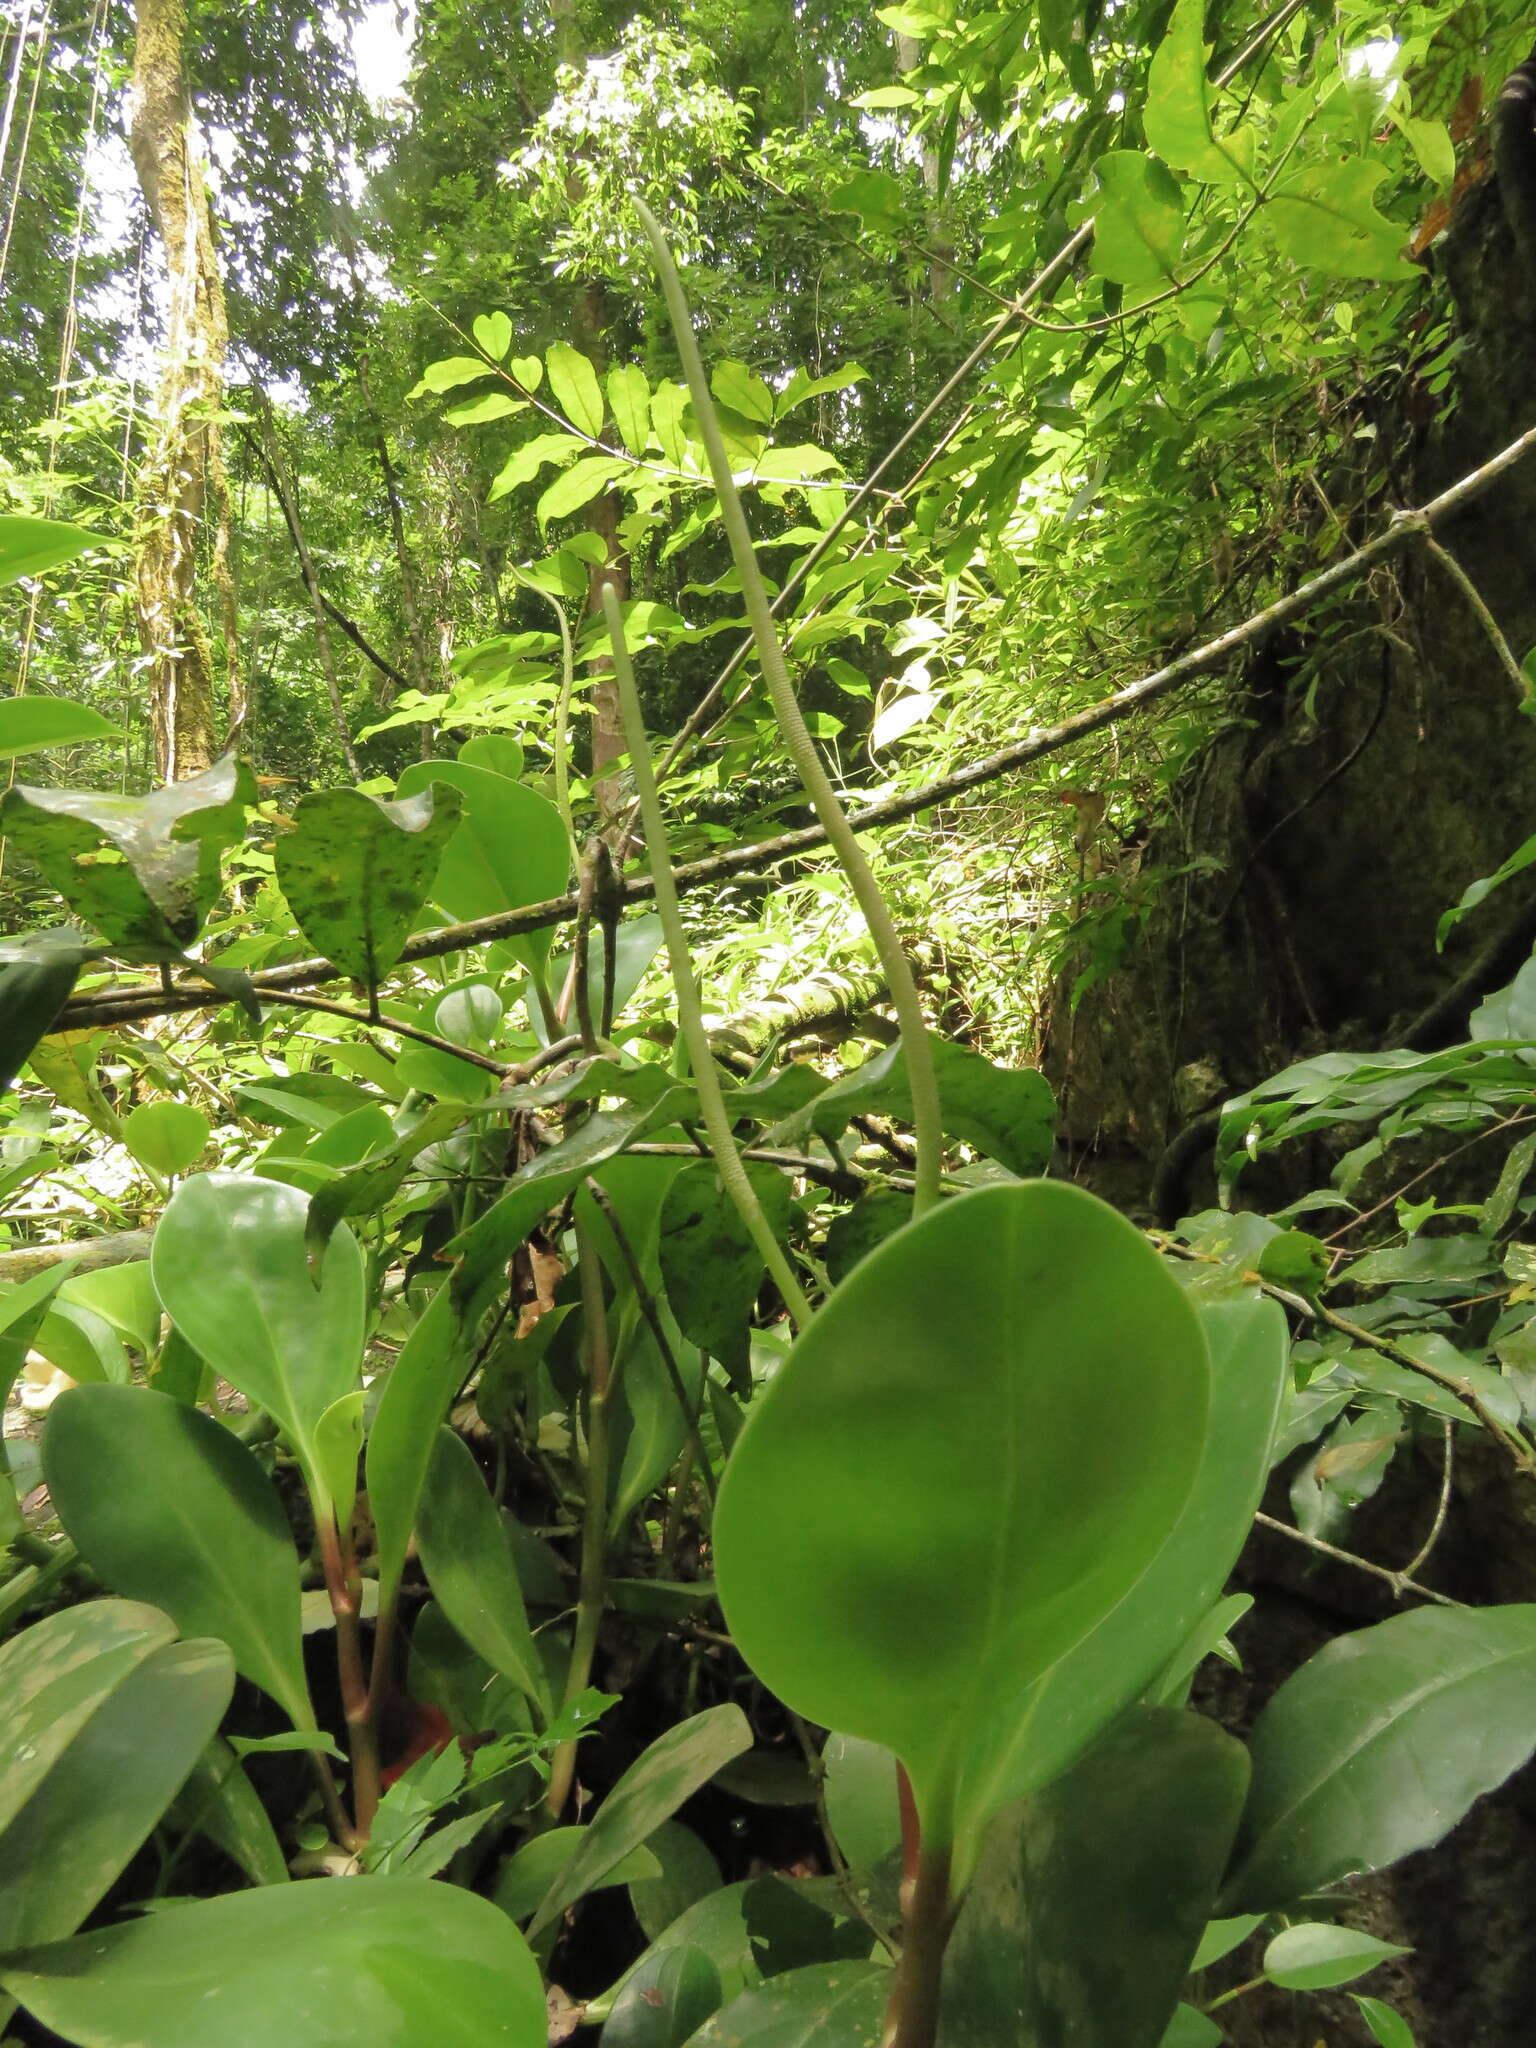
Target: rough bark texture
x,y
183,471
1340,837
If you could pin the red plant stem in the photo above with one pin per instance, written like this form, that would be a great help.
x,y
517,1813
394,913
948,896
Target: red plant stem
x,y
913,2019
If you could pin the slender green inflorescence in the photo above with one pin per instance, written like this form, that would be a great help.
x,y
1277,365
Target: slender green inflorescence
x,y
802,748
690,1010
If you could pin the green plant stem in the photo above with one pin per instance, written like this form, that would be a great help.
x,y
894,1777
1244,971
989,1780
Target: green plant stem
x,y
913,2021
690,1009
830,814
592,1583
344,1586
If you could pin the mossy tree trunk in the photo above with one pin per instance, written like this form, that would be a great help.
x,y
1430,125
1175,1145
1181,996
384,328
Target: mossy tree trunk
x,y
182,479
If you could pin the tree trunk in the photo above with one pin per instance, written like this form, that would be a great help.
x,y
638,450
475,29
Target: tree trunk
x,y
183,469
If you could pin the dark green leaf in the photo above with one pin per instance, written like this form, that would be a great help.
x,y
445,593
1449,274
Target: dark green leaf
x,y
468,1563
687,1873
1379,1744
1120,1858
168,1507
665,2002
37,977
357,870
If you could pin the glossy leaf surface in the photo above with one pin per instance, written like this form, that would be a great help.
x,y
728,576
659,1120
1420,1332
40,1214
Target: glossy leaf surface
x,y
96,1806
650,1791
1379,1744
56,1674
979,1444
1314,1956
400,1444
229,1264
665,2002
357,870
168,1507
294,1966
1118,1859
31,547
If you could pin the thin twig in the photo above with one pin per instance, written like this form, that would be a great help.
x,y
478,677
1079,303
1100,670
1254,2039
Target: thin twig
x,y
1442,1507
1492,630
1400,1582
383,1023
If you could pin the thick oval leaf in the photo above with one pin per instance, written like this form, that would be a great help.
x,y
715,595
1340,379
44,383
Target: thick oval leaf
x,y
230,1267
30,724
1379,1744
55,1675
979,1444
1074,1701
468,1563
168,1507
658,1424
356,870
295,1966
150,901
1315,1956
863,1799
508,851
1119,1859
827,2005
650,1791
30,547
167,1137
97,1805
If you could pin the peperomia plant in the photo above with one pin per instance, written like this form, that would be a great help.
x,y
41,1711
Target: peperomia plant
x,y
503,1358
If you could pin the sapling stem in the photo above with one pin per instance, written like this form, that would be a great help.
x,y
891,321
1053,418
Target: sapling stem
x,y
690,1010
913,2021
921,1078
592,1583
345,1590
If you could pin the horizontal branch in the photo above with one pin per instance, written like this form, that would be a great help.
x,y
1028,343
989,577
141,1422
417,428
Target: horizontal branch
x,y
127,1006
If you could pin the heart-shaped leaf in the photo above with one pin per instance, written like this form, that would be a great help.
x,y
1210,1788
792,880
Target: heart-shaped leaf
x,y
979,1444
230,1266
294,1966
1120,1858
168,1507
356,870
94,1809
1379,1744
509,849
167,1137
150,901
